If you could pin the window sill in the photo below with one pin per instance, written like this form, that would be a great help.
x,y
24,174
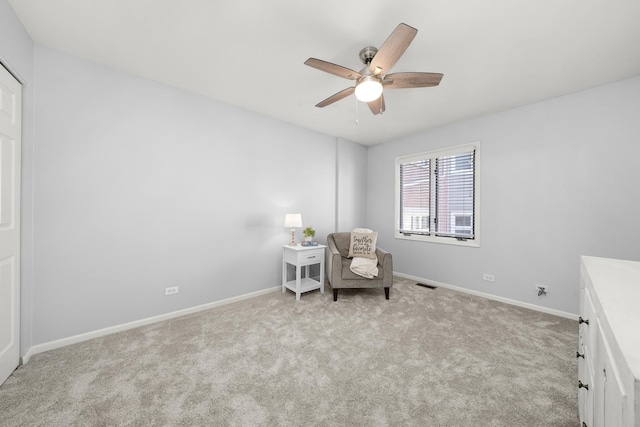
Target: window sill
x,y
475,243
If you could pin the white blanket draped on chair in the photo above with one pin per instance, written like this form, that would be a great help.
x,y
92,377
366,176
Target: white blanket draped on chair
x,y
365,267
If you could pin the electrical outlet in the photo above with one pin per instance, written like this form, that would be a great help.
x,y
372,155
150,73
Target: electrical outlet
x,y
488,277
170,291
542,290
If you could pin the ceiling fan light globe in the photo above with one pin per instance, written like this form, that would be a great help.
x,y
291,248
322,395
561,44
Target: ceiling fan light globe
x,y
368,89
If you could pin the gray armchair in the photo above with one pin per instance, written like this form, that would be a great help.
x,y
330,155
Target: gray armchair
x,y
341,276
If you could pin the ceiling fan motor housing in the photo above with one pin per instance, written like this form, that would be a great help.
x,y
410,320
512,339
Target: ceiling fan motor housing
x,y
367,54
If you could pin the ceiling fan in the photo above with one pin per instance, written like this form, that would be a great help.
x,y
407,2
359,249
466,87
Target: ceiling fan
x,y
371,80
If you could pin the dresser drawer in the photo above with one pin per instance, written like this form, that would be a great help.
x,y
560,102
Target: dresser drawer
x,y
588,324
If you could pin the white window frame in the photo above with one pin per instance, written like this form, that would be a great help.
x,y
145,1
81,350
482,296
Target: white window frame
x,y
451,151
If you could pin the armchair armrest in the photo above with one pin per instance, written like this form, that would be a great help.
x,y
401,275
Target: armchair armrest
x,y
381,253
333,263
385,260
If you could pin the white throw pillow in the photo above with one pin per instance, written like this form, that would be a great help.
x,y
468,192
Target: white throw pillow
x,y
363,243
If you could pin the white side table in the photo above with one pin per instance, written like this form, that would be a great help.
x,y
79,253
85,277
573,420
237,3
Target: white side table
x,y
302,256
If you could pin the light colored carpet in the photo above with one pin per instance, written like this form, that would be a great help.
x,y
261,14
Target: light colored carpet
x,y
423,358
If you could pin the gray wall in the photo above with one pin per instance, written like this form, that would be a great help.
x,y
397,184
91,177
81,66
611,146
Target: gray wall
x,y
352,182
16,53
139,186
559,179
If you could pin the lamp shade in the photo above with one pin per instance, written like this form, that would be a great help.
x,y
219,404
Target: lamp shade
x,y
368,89
293,220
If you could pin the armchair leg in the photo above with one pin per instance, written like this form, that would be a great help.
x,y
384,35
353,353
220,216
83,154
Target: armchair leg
x,y
386,293
335,295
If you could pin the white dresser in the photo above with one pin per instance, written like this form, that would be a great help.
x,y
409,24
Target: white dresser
x,y
609,343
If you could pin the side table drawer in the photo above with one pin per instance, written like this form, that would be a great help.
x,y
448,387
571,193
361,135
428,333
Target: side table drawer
x,y
310,257
306,257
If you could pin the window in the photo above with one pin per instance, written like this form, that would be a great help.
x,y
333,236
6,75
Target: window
x,y
437,196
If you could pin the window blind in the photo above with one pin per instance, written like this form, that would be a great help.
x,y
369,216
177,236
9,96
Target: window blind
x,y
437,195
455,196
415,190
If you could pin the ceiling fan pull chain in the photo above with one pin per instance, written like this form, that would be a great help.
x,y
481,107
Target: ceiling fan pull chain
x,y
357,112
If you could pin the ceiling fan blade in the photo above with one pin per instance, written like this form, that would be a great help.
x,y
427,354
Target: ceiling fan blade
x,y
392,49
409,80
336,97
336,70
377,106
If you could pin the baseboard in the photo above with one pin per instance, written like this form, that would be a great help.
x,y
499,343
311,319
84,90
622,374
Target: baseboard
x,y
490,296
63,342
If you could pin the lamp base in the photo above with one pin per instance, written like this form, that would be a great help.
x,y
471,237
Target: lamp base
x,y
293,237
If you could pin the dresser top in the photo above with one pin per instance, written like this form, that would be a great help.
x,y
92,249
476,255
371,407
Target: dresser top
x,y
617,286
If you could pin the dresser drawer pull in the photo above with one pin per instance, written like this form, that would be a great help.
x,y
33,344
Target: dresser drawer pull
x,y
581,320
311,257
579,355
580,385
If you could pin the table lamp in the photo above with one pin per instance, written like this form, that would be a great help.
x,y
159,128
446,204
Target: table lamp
x,y
292,221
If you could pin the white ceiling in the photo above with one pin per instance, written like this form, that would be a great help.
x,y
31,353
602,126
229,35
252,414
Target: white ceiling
x,y
495,54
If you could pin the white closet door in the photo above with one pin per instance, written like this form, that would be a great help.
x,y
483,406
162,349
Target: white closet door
x,y
10,149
